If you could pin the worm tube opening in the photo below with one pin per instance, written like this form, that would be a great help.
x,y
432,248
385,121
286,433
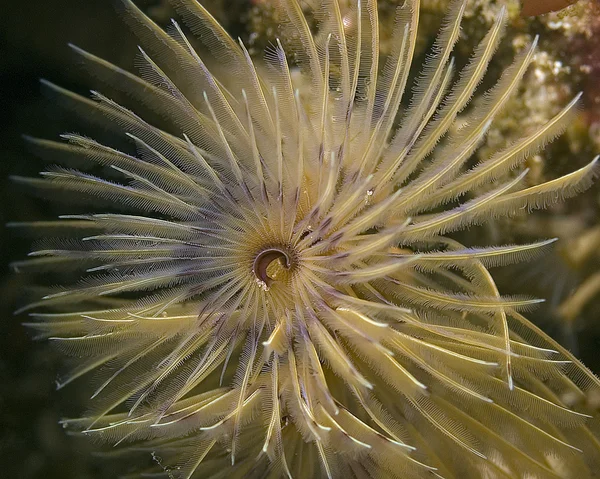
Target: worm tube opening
x,y
270,265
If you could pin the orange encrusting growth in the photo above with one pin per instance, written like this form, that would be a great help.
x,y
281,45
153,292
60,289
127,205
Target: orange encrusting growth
x,y
539,7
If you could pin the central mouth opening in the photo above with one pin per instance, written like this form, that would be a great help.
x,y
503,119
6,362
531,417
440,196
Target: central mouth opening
x,y
271,265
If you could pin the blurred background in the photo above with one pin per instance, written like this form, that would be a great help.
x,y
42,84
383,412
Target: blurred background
x,y
33,45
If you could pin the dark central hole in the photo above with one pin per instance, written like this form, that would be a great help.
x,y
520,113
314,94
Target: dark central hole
x,y
268,262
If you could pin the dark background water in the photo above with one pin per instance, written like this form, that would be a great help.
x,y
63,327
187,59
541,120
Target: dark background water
x,y
33,45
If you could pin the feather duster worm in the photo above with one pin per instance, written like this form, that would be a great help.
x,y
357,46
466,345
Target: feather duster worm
x,y
276,294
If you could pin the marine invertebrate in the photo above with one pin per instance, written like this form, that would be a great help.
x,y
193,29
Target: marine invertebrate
x,y
279,295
